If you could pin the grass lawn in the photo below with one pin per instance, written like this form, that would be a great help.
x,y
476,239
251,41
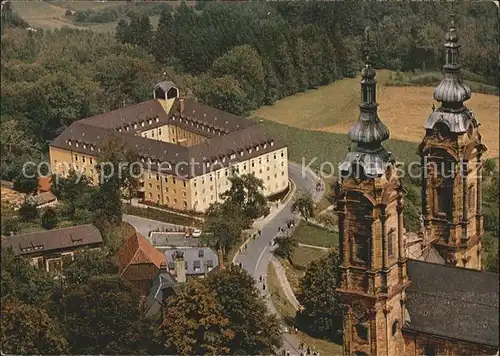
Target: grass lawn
x,y
314,148
285,309
327,199
334,109
301,259
280,301
311,235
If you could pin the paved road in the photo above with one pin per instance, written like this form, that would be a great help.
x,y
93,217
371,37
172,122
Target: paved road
x,y
259,252
144,226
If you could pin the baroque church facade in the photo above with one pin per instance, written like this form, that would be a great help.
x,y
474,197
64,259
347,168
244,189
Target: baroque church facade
x,y
433,300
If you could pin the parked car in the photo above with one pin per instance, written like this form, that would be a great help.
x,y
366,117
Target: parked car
x,y
196,233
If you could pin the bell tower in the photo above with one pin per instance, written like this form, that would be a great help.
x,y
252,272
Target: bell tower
x,y
451,156
369,204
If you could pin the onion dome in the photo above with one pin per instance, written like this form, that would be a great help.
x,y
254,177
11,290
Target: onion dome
x,y
452,90
368,158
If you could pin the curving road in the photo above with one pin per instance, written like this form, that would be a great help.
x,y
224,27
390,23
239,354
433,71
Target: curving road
x,y
259,253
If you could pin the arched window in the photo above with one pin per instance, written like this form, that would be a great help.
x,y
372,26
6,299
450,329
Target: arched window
x,y
362,331
395,327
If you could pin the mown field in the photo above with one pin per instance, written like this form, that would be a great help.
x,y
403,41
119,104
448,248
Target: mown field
x,y
334,109
316,148
40,14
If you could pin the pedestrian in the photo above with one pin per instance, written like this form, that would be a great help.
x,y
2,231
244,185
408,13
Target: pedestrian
x,y
308,351
260,278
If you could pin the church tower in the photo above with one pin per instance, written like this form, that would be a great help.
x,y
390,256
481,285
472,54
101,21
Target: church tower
x,y
369,204
451,156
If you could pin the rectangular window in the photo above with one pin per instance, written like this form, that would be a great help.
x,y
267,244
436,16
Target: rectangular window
x,y
83,159
173,180
184,183
361,248
390,242
166,180
91,161
158,187
76,158
54,265
444,195
472,198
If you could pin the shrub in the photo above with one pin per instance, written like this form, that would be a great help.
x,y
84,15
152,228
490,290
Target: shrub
x,y
49,219
28,211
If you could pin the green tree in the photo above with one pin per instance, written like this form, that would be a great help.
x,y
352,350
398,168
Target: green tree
x,y
103,317
245,193
304,205
122,32
116,173
27,329
224,93
10,225
22,281
256,330
194,323
223,226
26,180
89,264
16,148
49,219
489,166
72,190
321,315
286,246
245,65
110,71
28,211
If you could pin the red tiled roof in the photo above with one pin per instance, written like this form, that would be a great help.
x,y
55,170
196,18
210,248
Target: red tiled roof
x,y
138,250
44,184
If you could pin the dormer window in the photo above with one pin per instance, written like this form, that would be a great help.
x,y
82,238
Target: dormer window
x,y
272,143
142,124
265,146
91,148
128,128
76,144
250,150
150,121
135,126
257,148
223,159
208,164
69,142
241,153
233,156
84,147
157,119
119,130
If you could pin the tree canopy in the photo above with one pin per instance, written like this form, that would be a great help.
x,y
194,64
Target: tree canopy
x,y
322,315
194,323
256,330
102,316
27,329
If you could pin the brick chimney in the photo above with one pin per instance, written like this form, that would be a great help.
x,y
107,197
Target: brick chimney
x,y
221,260
180,266
181,109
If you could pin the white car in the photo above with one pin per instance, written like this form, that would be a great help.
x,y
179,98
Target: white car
x,y
197,233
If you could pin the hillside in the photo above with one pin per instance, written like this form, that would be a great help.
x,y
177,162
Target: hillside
x,y
334,108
